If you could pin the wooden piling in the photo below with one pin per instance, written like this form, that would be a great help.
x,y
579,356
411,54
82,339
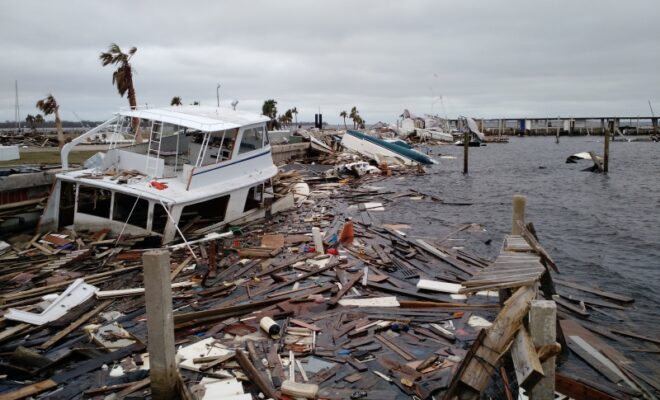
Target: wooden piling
x,y
466,148
519,202
160,326
606,151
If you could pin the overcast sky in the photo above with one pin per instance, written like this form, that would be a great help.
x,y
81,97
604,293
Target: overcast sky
x,y
485,58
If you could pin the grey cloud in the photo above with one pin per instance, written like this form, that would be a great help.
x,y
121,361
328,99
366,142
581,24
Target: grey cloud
x,y
486,58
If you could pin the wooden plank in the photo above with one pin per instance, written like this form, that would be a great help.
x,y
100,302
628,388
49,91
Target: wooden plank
x,y
180,267
134,387
579,388
54,287
74,325
601,293
29,390
398,350
254,375
538,248
525,359
636,336
497,339
498,286
345,288
81,369
304,324
511,277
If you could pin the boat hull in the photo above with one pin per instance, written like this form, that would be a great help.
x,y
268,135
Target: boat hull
x,y
381,150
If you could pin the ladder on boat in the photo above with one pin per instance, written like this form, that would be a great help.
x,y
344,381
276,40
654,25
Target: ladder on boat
x,y
153,148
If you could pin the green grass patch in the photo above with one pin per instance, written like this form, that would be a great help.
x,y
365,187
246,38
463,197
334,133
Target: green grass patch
x,y
48,158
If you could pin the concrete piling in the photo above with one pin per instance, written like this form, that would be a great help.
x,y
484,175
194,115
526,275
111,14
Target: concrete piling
x,y
160,325
543,329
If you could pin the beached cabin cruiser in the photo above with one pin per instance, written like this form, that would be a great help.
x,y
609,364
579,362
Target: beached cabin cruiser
x,y
201,165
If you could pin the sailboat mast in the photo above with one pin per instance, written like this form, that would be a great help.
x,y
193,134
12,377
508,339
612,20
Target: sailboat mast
x,y
17,109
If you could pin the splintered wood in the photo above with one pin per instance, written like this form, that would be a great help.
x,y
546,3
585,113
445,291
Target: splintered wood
x,y
515,266
497,339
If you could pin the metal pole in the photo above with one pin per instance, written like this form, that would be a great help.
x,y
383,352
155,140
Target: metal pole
x,y
217,94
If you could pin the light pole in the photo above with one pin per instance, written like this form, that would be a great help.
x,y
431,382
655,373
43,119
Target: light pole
x,y
217,94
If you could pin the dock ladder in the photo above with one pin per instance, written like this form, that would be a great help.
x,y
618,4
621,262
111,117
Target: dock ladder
x,y
153,148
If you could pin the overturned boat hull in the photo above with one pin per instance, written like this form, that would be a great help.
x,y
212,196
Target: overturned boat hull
x,y
382,150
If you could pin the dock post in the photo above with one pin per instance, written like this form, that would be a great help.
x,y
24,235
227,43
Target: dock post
x,y
519,202
543,330
606,150
466,147
160,324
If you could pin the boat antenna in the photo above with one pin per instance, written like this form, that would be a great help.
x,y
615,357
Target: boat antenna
x,y
217,94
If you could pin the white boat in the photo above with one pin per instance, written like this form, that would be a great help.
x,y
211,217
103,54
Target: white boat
x,y
384,150
201,165
434,134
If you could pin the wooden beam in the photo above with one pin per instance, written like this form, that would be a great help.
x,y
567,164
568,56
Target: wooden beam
x,y
476,375
525,359
251,371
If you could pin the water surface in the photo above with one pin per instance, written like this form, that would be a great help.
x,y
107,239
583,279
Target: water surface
x,y
602,230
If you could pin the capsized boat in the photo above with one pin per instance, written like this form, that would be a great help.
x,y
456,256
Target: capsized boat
x,y
381,150
477,138
202,167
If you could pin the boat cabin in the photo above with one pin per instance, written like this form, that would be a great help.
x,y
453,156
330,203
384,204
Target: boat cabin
x,y
196,168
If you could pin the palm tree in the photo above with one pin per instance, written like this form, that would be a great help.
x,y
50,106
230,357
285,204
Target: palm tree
x,y
176,101
30,121
49,106
288,115
123,78
294,111
344,114
269,109
39,120
354,116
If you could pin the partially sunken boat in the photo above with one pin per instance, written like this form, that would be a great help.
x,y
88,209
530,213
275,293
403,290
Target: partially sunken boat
x,y
381,150
200,164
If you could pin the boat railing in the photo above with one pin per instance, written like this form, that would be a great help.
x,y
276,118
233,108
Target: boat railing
x,y
67,147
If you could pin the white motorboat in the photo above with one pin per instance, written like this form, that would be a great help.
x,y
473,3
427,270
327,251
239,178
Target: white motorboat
x,y
201,165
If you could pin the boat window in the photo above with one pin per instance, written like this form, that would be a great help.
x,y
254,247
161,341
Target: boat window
x,y
221,146
131,210
252,139
160,219
264,135
254,198
94,201
199,215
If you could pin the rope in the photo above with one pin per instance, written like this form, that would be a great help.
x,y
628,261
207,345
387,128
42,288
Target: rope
x,y
129,217
178,230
